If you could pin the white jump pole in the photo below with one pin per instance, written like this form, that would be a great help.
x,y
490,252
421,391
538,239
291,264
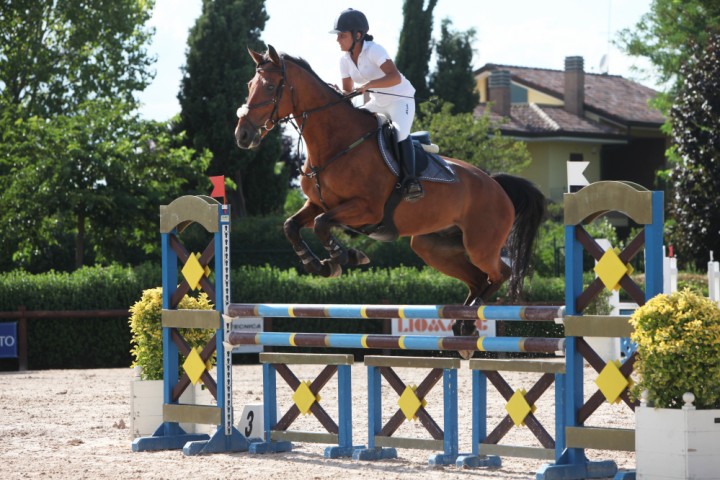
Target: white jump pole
x,y
713,279
670,272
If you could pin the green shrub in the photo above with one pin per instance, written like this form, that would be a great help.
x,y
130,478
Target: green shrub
x,y
146,328
77,342
678,345
549,257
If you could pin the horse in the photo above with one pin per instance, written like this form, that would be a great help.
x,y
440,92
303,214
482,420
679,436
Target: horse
x,y
458,228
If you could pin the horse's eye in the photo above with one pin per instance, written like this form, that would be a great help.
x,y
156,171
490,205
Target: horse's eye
x,y
269,87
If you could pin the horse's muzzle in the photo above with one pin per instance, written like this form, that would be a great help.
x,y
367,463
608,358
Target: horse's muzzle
x,y
246,136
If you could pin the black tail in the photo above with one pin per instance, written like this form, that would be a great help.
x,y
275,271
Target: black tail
x,y
529,203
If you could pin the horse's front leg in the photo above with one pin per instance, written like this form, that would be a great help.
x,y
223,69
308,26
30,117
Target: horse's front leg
x,y
302,219
353,212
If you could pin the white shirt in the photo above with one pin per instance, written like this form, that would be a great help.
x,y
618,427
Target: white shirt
x,y
372,56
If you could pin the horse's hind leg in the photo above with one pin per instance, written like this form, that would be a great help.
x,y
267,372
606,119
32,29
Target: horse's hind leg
x,y
446,253
483,245
493,286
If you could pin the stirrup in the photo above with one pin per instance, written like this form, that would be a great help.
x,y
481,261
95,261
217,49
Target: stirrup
x,y
412,191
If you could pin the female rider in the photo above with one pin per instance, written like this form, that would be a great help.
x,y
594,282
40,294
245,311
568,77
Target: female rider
x,y
368,65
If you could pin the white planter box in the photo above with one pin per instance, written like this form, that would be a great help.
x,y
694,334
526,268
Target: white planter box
x,y
677,443
146,406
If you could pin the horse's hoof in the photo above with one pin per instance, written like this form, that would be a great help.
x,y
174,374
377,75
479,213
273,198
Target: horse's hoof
x,y
464,328
330,269
313,268
466,354
476,302
356,257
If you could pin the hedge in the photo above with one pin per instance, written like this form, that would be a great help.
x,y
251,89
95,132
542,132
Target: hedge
x,y
77,342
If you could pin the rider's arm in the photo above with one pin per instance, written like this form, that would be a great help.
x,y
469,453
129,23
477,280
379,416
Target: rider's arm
x,y
390,79
347,85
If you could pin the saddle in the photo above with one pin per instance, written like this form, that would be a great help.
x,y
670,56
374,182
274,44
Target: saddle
x,y
429,166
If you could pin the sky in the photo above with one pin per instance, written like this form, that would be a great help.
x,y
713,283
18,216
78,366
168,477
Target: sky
x,y
527,33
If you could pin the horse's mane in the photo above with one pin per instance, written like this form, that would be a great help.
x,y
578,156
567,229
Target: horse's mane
x,y
302,63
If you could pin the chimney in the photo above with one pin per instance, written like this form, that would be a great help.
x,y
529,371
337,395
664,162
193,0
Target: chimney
x,y
574,85
499,95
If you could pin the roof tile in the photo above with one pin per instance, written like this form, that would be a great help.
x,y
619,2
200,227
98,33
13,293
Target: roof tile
x,y
610,96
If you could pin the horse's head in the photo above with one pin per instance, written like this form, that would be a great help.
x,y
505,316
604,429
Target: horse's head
x,y
263,108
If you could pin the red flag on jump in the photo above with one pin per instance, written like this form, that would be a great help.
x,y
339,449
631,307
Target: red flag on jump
x,y
218,187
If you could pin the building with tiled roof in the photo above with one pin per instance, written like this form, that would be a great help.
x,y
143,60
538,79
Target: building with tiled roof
x,y
572,115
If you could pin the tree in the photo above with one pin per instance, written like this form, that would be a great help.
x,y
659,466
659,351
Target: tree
x,y
696,176
415,46
94,179
79,170
669,34
54,56
453,79
474,140
217,70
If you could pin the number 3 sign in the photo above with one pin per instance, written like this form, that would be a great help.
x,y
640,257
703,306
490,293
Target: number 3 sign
x,y
251,421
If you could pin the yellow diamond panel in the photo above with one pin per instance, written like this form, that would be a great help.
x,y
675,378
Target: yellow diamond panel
x,y
193,271
612,382
304,398
518,408
610,269
206,270
194,366
409,403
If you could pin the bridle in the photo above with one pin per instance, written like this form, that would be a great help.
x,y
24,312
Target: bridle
x,y
270,123
274,119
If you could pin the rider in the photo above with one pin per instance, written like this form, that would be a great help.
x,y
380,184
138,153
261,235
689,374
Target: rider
x,y
368,65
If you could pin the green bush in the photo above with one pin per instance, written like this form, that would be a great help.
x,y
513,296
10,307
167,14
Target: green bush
x,y
549,257
146,327
678,346
77,342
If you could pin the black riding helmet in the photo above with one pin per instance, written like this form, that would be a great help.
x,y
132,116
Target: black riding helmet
x,y
351,21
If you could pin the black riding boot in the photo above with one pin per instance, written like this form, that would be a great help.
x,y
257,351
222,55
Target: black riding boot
x,y
412,191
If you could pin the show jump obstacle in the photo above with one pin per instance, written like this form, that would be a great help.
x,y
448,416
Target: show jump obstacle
x,y
565,451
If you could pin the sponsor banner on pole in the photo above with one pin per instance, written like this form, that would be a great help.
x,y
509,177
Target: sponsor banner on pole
x,y
248,325
8,340
437,327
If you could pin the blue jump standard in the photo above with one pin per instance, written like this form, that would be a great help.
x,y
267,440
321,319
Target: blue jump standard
x,y
170,436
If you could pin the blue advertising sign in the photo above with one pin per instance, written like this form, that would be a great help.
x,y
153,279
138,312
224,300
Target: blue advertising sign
x,y
8,340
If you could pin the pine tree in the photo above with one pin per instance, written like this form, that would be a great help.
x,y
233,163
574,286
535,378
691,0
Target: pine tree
x,y
453,79
217,70
415,46
696,176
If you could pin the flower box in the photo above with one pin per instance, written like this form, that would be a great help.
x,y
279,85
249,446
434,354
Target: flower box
x,y
146,406
672,443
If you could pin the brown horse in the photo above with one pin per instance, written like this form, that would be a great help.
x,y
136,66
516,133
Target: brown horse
x,y
457,228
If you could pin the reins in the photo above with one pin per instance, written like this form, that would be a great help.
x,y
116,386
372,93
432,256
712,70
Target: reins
x,y
292,120
315,171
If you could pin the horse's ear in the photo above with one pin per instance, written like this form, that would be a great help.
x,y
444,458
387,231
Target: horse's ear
x,y
274,57
257,57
